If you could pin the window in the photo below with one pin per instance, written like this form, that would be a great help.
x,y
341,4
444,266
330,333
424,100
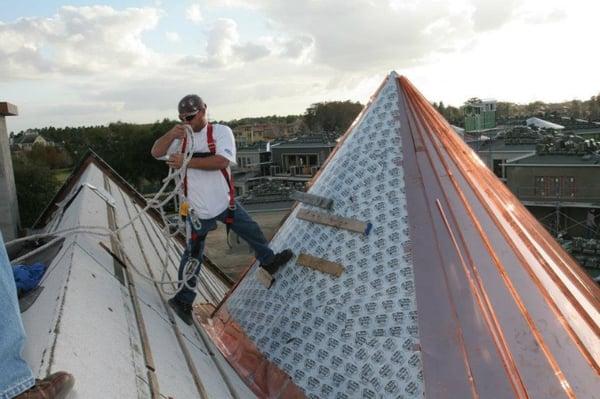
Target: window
x,y
555,186
300,163
568,187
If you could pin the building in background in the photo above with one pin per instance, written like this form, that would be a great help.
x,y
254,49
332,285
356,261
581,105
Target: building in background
x,y
480,115
250,133
498,147
267,173
557,188
26,140
302,156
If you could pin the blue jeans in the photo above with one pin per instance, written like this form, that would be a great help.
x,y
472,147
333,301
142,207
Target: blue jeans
x,y
242,225
15,374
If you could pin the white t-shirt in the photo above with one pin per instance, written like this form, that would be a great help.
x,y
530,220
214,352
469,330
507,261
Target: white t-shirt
x,y
208,192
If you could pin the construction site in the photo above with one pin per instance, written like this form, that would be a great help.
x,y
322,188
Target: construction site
x,y
417,272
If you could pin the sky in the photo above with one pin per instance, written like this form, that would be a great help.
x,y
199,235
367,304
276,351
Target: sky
x,y
92,63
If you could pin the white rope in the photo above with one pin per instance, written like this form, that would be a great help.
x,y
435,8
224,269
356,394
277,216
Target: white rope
x,y
177,176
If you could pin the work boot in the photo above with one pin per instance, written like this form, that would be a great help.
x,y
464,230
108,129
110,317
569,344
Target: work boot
x,y
55,386
278,260
183,310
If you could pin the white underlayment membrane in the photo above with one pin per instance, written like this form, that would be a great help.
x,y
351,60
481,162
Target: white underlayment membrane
x,y
356,335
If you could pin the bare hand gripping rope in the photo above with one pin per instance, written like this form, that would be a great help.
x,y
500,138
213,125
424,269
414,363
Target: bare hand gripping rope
x,y
176,176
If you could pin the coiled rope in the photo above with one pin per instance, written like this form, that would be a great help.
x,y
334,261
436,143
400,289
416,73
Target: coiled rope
x,y
177,176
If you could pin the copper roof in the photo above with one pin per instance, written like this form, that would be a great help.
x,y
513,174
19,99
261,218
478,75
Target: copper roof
x,y
501,310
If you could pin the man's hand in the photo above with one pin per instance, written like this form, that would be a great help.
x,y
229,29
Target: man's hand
x,y
161,146
175,161
177,132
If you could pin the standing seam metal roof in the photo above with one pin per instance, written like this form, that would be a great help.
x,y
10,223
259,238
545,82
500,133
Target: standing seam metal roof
x,y
98,319
457,292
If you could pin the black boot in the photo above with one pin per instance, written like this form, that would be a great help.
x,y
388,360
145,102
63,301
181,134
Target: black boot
x,y
183,310
278,260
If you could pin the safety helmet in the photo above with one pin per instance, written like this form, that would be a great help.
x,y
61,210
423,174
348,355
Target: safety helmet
x,y
190,104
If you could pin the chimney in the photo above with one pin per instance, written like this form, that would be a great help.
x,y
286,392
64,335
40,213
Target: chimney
x,y
9,208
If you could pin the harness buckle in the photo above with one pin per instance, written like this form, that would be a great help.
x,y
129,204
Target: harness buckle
x,y
195,221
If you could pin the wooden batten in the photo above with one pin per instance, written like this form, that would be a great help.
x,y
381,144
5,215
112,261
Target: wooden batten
x,y
312,199
322,265
334,221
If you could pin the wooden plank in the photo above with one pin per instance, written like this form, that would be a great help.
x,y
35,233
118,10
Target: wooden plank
x,y
312,199
120,259
322,265
264,277
178,335
334,221
8,109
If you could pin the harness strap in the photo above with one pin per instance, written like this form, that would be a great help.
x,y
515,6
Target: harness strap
x,y
228,177
183,148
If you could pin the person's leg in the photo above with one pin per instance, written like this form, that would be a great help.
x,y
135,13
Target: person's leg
x,y
245,227
194,249
15,375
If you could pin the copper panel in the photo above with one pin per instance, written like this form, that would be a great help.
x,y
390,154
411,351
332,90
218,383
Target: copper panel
x,y
539,307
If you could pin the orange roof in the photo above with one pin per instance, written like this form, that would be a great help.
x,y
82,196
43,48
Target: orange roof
x,y
457,291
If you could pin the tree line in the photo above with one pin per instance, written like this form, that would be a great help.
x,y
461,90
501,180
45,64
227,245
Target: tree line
x,y
508,111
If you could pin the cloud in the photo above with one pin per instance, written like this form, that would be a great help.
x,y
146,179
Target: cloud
x,y
491,15
173,37
251,51
299,47
546,17
243,4
224,49
365,35
278,57
228,92
194,13
221,39
76,40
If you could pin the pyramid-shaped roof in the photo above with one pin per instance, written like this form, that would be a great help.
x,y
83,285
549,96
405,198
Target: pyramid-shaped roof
x,y
454,289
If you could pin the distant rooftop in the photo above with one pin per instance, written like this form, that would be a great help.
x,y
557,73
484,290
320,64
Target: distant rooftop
x,y
558,160
500,145
537,122
313,140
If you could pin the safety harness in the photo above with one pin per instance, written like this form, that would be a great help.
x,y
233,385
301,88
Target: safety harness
x,y
212,148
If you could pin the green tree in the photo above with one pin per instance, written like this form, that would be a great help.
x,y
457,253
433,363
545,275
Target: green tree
x,y
35,185
332,116
53,157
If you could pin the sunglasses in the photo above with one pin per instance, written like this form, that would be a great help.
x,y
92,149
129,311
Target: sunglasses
x,y
188,118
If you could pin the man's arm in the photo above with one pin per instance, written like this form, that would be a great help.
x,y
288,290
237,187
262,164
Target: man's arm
x,y
161,146
213,162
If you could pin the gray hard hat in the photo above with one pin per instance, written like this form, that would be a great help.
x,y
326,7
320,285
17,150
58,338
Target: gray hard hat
x,y
190,104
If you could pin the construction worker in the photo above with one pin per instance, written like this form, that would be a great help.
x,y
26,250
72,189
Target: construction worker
x,y
208,195
590,224
16,377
